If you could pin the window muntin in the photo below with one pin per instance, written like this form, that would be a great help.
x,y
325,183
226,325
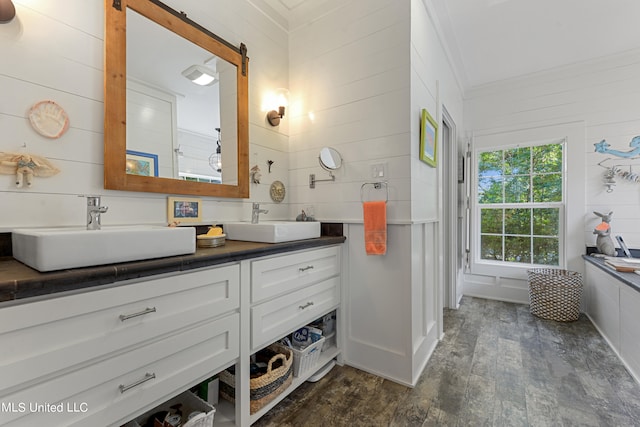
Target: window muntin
x,y
520,204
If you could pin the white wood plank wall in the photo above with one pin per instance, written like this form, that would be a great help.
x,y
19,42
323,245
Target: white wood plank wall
x,y
56,53
361,73
603,94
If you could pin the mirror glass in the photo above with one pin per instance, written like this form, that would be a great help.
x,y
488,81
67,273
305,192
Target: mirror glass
x,y
163,132
330,159
172,117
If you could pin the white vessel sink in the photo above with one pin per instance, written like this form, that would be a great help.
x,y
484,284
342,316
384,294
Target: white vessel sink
x,y
47,249
272,231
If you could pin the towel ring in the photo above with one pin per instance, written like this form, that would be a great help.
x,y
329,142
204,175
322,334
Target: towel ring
x,y
377,186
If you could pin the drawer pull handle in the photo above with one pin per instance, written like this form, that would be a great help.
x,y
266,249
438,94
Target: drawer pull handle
x,y
308,267
147,377
302,307
124,317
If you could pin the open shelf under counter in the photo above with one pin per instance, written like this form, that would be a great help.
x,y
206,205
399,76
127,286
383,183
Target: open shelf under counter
x,y
226,411
325,357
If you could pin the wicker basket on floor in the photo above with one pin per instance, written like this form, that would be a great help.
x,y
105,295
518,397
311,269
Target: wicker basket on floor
x,y
264,388
555,294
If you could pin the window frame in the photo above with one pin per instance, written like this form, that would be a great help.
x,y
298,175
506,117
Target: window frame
x,y
506,268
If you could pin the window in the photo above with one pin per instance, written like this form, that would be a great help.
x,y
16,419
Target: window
x,y
520,205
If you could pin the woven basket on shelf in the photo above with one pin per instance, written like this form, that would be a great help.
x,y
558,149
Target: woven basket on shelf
x,y
555,294
264,388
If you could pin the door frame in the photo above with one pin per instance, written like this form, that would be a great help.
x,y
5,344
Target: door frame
x,y
450,212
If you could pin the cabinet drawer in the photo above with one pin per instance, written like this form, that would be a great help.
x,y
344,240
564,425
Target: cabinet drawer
x,y
273,319
44,337
169,366
279,275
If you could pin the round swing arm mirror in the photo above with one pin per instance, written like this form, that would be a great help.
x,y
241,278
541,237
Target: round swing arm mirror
x,y
330,159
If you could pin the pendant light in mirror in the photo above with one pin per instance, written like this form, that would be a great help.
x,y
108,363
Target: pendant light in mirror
x,y
215,159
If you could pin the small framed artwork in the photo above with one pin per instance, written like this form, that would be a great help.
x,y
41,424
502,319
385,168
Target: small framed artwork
x,y
139,163
184,209
428,139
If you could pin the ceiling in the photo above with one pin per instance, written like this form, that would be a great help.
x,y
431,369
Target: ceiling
x,y
491,40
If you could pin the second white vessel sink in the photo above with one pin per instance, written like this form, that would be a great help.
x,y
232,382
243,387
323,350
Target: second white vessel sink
x,y
48,249
272,231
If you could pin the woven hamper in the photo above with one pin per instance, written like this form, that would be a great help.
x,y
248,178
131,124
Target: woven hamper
x,y
555,294
263,389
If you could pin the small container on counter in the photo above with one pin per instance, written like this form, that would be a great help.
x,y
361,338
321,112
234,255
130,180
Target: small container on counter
x,y
207,241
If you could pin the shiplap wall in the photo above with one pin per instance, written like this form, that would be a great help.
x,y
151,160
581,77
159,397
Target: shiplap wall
x,y
603,94
354,67
433,85
351,72
360,74
56,53
350,77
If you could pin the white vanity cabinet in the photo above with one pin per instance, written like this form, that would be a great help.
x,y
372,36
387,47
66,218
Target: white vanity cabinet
x,y
613,307
103,356
107,355
602,294
274,276
289,291
629,331
292,290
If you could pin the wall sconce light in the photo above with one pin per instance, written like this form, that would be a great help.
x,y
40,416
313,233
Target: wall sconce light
x,y
7,11
201,75
280,99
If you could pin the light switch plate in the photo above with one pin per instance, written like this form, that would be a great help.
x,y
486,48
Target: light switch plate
x,y
379,170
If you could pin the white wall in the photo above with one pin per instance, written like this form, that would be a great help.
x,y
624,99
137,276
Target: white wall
x,y
349,68
434,87
433,84
603,94
56,53
356,69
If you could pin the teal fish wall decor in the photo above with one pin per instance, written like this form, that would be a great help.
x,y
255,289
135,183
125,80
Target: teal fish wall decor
x,y
603,147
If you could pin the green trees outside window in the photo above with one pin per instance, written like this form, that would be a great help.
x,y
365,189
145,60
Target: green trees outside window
x,y
520,199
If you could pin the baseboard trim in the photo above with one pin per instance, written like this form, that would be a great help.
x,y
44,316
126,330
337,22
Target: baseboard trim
x,y
499,293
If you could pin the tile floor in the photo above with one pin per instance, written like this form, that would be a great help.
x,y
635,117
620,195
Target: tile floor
x,y
497,366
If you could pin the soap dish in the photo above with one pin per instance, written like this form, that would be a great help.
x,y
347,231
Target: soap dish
x,y
205,241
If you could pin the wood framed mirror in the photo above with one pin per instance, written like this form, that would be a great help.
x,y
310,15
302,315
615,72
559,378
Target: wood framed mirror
x,y
146,155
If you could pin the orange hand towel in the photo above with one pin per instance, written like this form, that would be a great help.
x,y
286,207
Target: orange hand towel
x,y
375,227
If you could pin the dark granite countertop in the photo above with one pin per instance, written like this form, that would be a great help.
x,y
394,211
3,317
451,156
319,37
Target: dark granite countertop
x,y
630,279
18,281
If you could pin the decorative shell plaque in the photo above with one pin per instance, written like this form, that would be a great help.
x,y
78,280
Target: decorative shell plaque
x,y
277,191
49,119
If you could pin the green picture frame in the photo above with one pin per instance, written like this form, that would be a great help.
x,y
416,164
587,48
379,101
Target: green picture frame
x,y
428,139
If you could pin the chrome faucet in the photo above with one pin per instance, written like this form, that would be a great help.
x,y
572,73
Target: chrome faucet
x,y
93,212
255,213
